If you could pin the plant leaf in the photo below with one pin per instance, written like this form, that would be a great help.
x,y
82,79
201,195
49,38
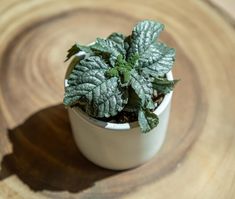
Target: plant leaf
x,y
147,120
123,69
127,43
108,46
163,85
134,102
108,99
143,35
117,38
121,73
157,60
77,48
143,89
87,80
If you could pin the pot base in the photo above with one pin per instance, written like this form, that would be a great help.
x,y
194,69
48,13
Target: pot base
x,y
117,149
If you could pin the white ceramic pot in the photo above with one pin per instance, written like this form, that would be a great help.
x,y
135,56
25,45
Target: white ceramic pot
x,y
119,146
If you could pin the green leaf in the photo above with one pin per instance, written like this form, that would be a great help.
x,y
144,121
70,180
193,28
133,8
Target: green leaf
x,y
157,60
147,120
72,64
112,72
123,69
143,89
117,38
164,85
127,43
134,102
110,47
77,48
143,35
133,60
87,80
108,99
121,73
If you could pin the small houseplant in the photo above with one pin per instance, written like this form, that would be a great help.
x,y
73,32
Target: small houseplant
x,y
118,91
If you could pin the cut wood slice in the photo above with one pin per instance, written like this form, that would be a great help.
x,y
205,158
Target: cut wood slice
x,y
39,158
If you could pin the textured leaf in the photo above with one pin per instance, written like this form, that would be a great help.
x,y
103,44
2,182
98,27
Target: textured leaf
x,y
108,99
127,43
88,80
72,64
147,120
110,47
143,89
117,38
121,73
133,60
123,69
134,102
163,85
157,60
143,35
77,48
112,72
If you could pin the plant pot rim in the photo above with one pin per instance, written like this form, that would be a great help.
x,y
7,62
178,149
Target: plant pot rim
x,y
119,126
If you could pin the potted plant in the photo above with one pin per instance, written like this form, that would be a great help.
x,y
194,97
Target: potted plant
x,y
118,92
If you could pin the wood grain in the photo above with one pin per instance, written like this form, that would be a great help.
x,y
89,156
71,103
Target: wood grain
x,y
39,158
226,8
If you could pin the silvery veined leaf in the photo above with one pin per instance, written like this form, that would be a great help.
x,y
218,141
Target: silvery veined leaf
x,y
88,80
143,35
157,60
147,120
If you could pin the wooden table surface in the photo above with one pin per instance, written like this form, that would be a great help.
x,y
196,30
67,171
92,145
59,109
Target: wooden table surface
x,y
38,156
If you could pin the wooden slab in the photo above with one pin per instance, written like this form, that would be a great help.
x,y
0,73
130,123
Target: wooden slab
x,y
225,8
38,156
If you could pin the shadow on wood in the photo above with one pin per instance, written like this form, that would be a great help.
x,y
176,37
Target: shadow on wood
x,y
45,156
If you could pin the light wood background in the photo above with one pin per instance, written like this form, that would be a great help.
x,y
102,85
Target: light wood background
x,y
38,157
